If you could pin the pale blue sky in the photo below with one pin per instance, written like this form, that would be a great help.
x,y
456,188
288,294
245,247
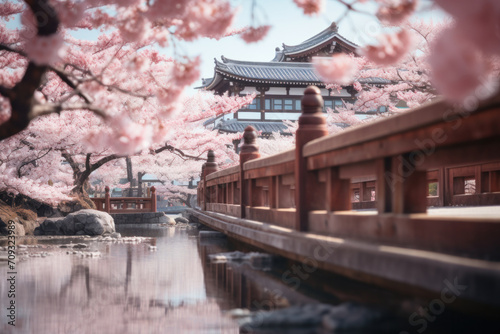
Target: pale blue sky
x,y
289,26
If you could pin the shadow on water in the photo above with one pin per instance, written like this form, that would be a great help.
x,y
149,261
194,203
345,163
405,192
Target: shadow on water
x,y
289,297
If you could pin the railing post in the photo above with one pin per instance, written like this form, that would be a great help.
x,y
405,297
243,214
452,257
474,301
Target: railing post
x,y
409,186
210,167
312,125
107,201
201,192
153,199
249,151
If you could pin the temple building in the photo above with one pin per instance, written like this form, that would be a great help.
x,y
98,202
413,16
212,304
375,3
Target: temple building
x,y
280,83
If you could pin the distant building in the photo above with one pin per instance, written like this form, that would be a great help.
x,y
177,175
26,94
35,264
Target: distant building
x,y
280,83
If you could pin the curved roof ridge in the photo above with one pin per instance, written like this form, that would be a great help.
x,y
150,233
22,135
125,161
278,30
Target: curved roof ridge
x,y
318,39
228,62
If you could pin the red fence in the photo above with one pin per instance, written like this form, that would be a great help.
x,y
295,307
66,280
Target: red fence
x,y
126,204
435,155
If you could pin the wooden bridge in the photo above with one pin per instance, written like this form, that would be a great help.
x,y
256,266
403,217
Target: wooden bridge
x,y
126,204
299,203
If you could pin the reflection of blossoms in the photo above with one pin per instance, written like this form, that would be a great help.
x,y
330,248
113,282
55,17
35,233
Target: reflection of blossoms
x,y
391,49
339,68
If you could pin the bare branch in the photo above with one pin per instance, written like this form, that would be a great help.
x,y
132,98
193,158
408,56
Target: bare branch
x,y
50,108
178,152
31,161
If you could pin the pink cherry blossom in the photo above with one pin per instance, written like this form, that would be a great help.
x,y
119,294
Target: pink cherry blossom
x,y
396,12
8,8
187,72
133,25
477,21
391,49
168,9
44,50
311,7
457,68
69,12
340,68
357,86
211,18
252,35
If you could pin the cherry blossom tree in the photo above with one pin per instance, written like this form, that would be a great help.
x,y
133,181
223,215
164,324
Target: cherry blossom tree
x,y
461,61
52,152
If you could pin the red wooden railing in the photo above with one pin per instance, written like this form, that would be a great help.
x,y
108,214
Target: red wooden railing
x,y
126,204
389,164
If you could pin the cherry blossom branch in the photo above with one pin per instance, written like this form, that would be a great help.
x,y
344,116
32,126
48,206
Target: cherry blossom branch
x,y
53,108
20,97
179,152
21,94
4,47
45,15
72,163
31,161
65,78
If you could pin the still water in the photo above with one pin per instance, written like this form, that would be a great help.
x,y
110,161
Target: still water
x,y
169,281
127,289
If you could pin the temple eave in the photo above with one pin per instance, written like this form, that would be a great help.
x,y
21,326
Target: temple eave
x,y
271,81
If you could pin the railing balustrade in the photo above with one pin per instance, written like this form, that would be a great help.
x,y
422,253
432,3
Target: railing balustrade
x,y
126,204
390,165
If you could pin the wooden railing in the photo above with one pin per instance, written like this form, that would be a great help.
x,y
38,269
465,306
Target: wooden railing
x,y
387,165
126,204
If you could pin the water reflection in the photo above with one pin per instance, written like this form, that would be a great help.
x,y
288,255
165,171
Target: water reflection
x,y
128,290
131,288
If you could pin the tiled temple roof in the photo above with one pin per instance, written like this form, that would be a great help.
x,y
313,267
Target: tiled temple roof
x,y
235,126
316,41
271,73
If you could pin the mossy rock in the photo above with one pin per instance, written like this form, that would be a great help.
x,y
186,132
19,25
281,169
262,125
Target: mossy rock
x,y
76,204
25,221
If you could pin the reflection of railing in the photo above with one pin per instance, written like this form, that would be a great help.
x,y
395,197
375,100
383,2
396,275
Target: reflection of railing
x,y
126,204
394,161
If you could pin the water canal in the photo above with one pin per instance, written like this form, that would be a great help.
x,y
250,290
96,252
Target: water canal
x,y
160,279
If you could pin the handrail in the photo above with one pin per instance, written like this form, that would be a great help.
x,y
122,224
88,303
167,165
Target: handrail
x,y
313,187
271,160
126,204
223,172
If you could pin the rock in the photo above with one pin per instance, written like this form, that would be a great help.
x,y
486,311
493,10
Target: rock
x,y
77,204
25,202
80,246
347,317
24,220
171,221
182,220
115,235
83,222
